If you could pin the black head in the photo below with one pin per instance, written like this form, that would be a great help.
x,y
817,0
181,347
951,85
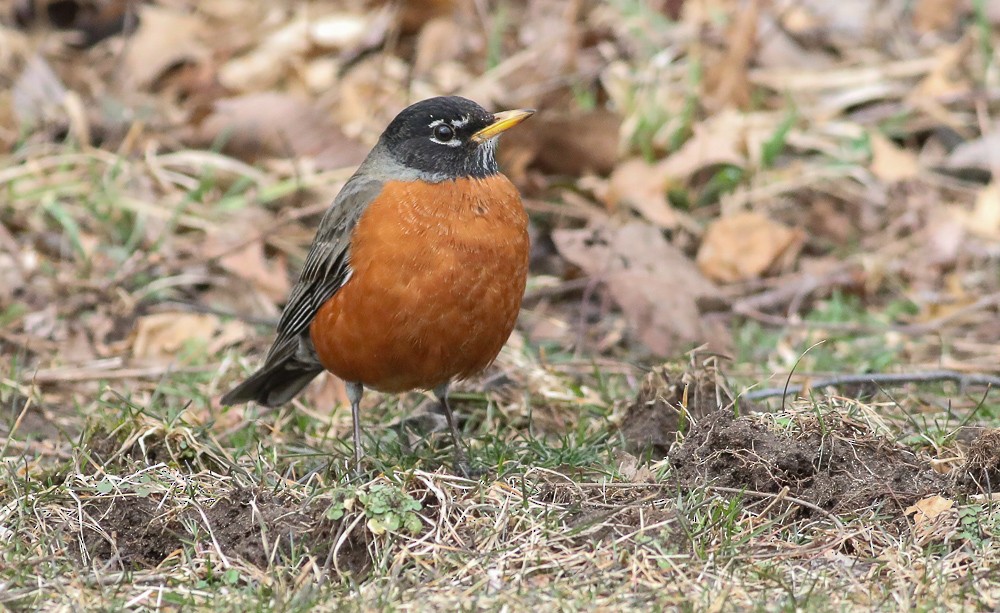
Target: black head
x,y
448,137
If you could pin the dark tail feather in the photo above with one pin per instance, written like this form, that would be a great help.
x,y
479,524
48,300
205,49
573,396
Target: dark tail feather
x,y
275,383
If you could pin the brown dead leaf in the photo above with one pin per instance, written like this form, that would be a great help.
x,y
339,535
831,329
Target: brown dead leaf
x,y
415,13
371,94
985,218
162,335
943,237
267,63
572,144
947,78
37,94
330,392
440,41
720,139
642,186
933,15
229,333
779,48
654,283
890,162
927,509
631,469
277,124
746,245
283,51
165,38
238,247
828,221
981,153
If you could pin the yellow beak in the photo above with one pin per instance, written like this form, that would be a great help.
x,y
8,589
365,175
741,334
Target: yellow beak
x,y
501,122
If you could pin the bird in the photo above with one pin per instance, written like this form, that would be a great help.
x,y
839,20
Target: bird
x,y
415,276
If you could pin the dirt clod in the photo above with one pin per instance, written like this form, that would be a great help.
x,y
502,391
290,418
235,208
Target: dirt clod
x,y
981,471
837,465
667,400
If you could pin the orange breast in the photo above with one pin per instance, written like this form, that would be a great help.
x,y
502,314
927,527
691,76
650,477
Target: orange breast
x,y
438,276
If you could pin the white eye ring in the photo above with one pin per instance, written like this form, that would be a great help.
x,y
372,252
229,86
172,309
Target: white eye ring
x,y
450,139
443,133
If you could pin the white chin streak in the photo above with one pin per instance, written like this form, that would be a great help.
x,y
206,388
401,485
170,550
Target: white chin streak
x,y
487,151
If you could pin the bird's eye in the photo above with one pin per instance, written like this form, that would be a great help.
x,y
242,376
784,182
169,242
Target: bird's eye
x,y
443,132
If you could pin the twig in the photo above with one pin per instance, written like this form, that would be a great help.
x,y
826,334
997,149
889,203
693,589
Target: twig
x,y
963,380
70,374
552,291
795,290
194,307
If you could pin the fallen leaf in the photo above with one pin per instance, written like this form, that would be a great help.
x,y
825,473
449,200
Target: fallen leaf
x,y
781,49
339,30
829,221
943,237
440,41
330,392
267,63
371,94
641,186
654,283
277,124
981,153
985,219
630,468
571,144
229,333
162,335
890,162
745,246
933,15
720,139
238,247
37,94
929,508
946,78
165,38
415,13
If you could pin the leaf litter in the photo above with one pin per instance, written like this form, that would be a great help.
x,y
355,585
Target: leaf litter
x,y
754,177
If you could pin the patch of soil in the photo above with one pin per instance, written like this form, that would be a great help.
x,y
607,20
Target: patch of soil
x,y
668,399
137,533
39,422
134,535
838,466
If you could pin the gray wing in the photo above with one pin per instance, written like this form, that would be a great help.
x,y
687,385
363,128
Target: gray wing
x,y
327,265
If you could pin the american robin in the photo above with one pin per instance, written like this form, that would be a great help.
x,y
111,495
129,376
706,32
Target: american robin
x,y
416,274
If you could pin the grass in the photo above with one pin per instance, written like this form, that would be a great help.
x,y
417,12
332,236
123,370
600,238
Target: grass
x,y
123,483
151,506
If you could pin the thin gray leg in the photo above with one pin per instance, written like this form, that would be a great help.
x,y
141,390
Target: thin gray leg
x,y
461,457
354,393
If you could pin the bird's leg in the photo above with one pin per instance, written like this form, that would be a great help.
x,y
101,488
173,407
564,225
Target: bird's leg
x,y
461,457
354,393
